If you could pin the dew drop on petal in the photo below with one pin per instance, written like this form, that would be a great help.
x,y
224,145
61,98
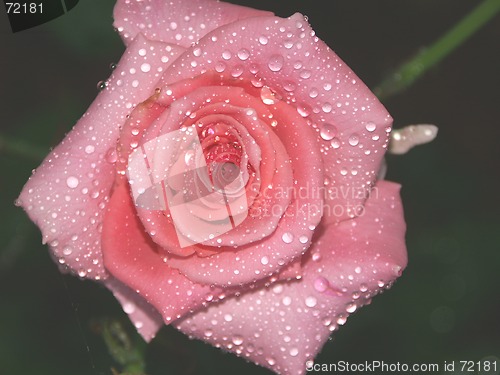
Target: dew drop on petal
x,y
354,139
89,149
129,308
243,54
208,333
263,40
67,250
341,320
287,237
197,52
304,110
350,308
264,260
237,340
321,284
145,67
111,155
328,131
335,143
72,182
311,301
370,126
267,96
275,63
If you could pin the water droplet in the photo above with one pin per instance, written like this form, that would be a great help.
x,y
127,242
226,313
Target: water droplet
x,y
316,257
321,284
335,143
82,273
263,40
226,55
304,110
354,139
363,288
89,149
275,63
237,340
370,126
208,333
142,52
311,301
264,260
341,320
101,85
328,131
305,74
243,54
197,52
228,317
287,237
286,301
72,182
267,96
350,308
326,107
220,67
357,269
129,308
271,361
303,239
294,352
67,250
145,67
111,155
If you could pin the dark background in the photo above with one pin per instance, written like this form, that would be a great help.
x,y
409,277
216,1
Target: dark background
x,y
445,307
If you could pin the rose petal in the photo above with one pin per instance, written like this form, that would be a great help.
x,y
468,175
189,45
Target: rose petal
x,y
131,256
283,326
145,317
286,56
292,236
177,22
67,194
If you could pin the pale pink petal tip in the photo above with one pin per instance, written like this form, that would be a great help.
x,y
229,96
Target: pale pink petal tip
x,y
178,22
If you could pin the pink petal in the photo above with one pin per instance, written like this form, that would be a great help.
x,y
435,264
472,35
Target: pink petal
x,y
67,194
292,237
145,317
286,56
284,326
132,257
177,22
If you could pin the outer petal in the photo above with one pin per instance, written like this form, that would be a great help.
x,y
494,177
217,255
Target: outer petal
x,y
147,320
178,22
285,325
67,194
285,55
131,256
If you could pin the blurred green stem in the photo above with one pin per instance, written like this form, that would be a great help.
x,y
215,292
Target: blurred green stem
x,y
18,147
407,73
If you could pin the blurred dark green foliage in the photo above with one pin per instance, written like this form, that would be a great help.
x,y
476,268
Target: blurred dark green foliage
x,y
446,305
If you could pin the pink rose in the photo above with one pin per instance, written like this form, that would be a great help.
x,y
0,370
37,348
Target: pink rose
x,y
224,181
